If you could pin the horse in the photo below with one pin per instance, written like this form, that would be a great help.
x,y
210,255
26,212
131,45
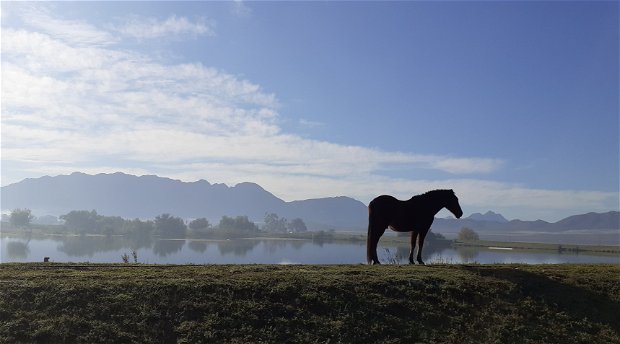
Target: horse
x,y
415,215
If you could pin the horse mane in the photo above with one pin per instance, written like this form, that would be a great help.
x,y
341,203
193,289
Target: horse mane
x,y
434,193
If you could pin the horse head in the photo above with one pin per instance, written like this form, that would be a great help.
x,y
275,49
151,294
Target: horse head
x,y
452,204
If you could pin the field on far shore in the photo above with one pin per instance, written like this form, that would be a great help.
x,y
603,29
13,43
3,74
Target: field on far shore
x,y
125,303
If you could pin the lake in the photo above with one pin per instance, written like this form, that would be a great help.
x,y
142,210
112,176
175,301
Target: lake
x,y
259,250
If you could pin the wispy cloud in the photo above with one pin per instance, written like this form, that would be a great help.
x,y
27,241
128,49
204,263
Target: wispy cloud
x,y
241,9
73,101
152,28
121,104
467,165
310,124
76,32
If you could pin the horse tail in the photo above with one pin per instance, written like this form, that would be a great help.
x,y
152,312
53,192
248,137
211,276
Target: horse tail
x,y
368,250
375,230
369,245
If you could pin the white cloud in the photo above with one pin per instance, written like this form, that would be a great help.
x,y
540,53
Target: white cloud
x,y
310,124
70,31
240,9
152,28
468,165
79,104
124,105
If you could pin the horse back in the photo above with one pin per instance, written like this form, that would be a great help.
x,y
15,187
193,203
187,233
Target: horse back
x,y
401,216
383,204
383,209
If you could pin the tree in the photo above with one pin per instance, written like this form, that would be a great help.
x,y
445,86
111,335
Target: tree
x,y
274,223
199,224
297,225
226,223
139,233
82,220
242,223
239,223
468,234
21,217
111,224
169,226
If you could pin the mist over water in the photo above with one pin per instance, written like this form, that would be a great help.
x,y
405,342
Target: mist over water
x,y
101,249
570,237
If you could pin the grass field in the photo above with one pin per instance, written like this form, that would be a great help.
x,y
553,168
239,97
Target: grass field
x,y
91,303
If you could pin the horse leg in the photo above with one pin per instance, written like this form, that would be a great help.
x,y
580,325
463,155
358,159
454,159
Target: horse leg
x,y
421,237
414,236
374,233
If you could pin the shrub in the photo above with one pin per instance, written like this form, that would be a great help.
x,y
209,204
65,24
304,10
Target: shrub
x,y
468,234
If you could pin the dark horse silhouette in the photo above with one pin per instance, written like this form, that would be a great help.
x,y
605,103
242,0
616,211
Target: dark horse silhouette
x,y
415,215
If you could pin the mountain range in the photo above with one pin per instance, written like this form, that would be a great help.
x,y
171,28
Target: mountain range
x,y
145,197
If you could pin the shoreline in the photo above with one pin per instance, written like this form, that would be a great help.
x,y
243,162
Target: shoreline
x,y
351,237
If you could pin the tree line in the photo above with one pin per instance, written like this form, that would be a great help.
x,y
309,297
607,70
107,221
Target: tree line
x,y
164,225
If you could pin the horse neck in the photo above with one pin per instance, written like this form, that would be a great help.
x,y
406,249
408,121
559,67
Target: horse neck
x,y
433,202
436,207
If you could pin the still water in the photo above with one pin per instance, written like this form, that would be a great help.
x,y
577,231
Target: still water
x,y
259,251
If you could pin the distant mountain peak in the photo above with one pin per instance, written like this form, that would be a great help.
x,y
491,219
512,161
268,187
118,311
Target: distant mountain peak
x,y
489,216
248,185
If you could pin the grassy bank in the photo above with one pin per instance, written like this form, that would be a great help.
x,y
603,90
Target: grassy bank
x,y
353,304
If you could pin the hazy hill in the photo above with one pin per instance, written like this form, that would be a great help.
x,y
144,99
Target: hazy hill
x,y
609,220
130,196
488,216
145,197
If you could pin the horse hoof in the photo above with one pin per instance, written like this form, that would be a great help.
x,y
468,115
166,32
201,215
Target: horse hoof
x,y
421,262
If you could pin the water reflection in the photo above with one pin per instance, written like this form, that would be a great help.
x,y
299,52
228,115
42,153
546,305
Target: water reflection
x,y
272,246
468,254
86,246
199,246
165,247
18,249
236,247
400,253
110,249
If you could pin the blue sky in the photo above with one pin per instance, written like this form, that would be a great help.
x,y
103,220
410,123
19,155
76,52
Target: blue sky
x,y
514,105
